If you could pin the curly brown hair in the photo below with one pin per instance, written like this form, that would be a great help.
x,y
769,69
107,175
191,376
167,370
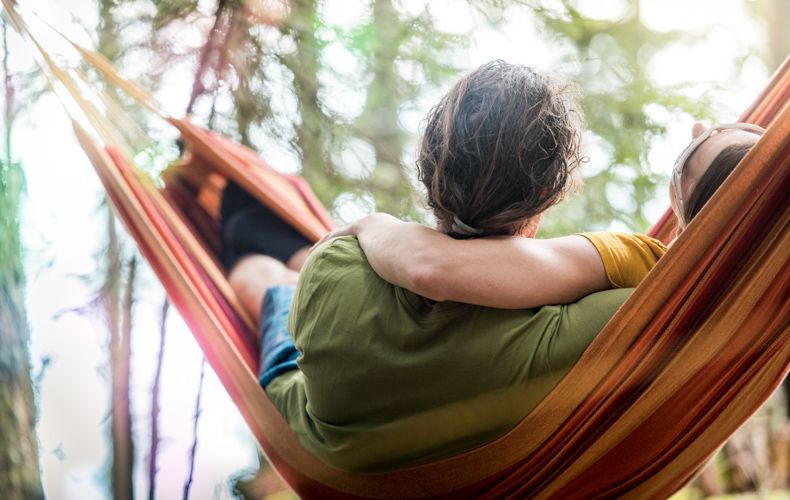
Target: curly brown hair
x,y
499,148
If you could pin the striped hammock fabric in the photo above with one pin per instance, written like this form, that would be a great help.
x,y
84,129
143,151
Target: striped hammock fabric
x,y
695,351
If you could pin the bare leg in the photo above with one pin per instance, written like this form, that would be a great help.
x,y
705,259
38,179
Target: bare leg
x,y
253,275
297,259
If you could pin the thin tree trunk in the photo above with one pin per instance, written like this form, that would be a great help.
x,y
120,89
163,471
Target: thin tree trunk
x,y
155,390
211,55
379,119
313,126
195,421
20,477
19,470
121,304
117,296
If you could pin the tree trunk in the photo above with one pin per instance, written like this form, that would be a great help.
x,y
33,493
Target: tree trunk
x,y
120,361
379,119
20,477
155,392
313,126
117,299
211,55
19,470
118,309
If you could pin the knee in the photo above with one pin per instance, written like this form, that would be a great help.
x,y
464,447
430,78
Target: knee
x,y
254,274
257,272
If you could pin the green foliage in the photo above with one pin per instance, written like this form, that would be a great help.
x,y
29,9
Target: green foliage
x,y
11,189
12,185
19,470
12,278
383,49
334,96
284,85
13,321
171,10
619,101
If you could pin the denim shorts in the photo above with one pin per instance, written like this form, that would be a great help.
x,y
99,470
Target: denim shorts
x,y
278,352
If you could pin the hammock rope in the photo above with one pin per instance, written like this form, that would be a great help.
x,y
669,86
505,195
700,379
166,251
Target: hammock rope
x,y
695,350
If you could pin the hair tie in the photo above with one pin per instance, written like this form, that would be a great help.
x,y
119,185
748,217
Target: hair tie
x,y
464,229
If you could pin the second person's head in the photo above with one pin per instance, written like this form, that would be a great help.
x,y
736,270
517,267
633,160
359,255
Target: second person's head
x,y
706,163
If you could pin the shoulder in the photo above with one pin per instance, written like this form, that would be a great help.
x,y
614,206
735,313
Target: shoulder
x,y
339,258
344,250
626,257
335,274
613,241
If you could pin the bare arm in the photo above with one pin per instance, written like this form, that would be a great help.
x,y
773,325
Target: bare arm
x,y
504,272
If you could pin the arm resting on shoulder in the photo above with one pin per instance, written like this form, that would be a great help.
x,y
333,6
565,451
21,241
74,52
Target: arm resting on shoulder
x,y
504,272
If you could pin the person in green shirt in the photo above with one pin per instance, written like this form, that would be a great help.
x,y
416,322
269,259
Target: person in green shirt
x,y
558,270
372,376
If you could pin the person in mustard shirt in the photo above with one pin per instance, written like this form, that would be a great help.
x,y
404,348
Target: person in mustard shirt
x,y
433,342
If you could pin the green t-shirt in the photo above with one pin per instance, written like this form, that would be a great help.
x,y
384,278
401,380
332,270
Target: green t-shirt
x,y
388,380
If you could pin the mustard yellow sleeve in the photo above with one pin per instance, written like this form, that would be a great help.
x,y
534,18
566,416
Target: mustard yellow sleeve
x,y
627,258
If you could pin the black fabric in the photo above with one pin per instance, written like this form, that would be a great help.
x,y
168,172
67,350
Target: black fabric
x,y
234,199
248,227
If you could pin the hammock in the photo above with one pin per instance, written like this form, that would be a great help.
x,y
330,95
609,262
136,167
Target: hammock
x,y
695,350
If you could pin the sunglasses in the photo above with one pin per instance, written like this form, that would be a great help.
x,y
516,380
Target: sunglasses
x,y
680,163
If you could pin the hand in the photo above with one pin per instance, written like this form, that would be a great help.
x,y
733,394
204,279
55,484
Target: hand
x,y
349,230
355,228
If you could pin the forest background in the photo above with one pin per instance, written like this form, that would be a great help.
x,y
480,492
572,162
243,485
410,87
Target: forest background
x,y
104,393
